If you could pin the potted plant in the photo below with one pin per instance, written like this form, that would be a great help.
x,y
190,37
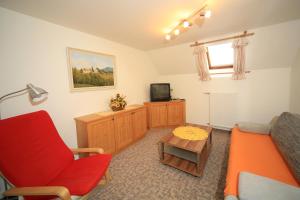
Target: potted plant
x,y
118,102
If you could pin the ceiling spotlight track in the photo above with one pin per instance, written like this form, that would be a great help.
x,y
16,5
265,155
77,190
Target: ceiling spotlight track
x,y
186,23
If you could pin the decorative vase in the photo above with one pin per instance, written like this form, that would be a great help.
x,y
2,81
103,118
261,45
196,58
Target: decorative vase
x,y
114,108
118,103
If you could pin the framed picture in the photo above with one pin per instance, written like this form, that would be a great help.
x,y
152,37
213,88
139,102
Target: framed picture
x,y
90,70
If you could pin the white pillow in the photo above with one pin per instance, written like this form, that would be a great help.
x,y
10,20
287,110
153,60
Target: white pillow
x,y
254,187
254,127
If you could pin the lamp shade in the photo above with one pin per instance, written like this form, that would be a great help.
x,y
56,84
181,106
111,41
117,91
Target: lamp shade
x,y
36,94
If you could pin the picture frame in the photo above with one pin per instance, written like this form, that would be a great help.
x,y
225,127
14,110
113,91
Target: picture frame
x,y
90,70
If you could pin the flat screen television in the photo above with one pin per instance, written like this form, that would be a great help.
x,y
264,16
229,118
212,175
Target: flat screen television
x,y
160,92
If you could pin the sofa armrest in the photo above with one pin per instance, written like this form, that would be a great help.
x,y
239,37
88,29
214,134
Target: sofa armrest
x,y
254,187
88,150
254,127
60,191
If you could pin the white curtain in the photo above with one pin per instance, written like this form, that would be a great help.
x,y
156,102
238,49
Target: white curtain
x,y
202,63
239,46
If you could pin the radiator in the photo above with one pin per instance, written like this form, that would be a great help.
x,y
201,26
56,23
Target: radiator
x,y
222,110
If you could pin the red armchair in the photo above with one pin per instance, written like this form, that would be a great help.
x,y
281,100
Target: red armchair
x,y
35,160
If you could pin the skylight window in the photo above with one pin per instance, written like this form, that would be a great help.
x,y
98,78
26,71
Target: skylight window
x,y
220,56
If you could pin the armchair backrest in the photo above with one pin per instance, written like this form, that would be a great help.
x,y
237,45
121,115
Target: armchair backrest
x,y
31,150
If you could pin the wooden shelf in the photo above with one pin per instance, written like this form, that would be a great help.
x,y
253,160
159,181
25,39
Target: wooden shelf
x,y
166,113
181,153
181,164
112,131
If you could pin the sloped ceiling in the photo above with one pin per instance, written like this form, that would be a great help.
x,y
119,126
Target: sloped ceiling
x,y
141,23
273,46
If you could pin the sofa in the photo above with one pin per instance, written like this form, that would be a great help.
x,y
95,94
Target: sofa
x,y
264,160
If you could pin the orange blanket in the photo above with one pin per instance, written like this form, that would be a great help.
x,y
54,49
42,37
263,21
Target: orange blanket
x,y
255,153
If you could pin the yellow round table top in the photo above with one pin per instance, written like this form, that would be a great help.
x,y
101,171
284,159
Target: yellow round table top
x,y
190,133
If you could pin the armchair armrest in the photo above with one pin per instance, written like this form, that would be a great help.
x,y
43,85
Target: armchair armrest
x,y
88,150
60,191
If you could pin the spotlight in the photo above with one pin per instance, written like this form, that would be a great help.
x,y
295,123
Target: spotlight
x,y
186,24
207,14
168,37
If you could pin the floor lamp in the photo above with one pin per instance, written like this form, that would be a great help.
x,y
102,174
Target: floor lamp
x,y
36,95
209,112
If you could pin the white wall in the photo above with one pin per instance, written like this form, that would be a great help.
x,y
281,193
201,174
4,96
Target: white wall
x,y
34,51
295,85
264,94
266,91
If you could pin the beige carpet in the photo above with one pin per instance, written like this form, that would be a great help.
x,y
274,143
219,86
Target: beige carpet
x,y
138,175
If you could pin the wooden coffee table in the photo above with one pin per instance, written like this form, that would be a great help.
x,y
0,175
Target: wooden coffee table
x,y
186,155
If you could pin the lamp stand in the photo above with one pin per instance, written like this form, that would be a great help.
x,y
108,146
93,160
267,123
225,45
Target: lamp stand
x,y
36,94
9,94
209,109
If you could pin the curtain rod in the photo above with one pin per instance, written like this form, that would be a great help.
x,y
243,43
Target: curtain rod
x,y
217,73
245,34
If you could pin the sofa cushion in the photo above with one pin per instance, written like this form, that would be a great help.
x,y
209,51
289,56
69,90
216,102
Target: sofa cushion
x,y
258,154
286,135
252,186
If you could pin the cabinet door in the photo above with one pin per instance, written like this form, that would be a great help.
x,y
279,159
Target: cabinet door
x,y
101,134
158,115
176,113
139,118
123,130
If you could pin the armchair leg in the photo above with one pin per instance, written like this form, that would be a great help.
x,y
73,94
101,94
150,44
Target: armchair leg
x,y
107,177
85,197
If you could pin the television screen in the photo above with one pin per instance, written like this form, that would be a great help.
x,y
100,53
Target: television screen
x,y
160,92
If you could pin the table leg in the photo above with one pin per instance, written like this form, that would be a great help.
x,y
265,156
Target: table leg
x,y
161,150
198,162
210,141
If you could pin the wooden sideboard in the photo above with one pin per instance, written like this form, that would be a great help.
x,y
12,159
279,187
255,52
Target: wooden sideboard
x,y
167,113
112,131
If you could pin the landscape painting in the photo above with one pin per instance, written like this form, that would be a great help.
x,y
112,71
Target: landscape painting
x,y
90,70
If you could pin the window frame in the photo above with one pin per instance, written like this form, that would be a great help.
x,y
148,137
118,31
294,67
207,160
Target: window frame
x,y
210,67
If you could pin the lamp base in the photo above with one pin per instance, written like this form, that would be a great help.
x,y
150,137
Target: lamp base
x,y
10,198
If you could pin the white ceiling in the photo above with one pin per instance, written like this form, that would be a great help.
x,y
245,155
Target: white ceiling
x,y
141,23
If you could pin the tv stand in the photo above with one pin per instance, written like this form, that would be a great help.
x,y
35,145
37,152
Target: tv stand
x,y
166,113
